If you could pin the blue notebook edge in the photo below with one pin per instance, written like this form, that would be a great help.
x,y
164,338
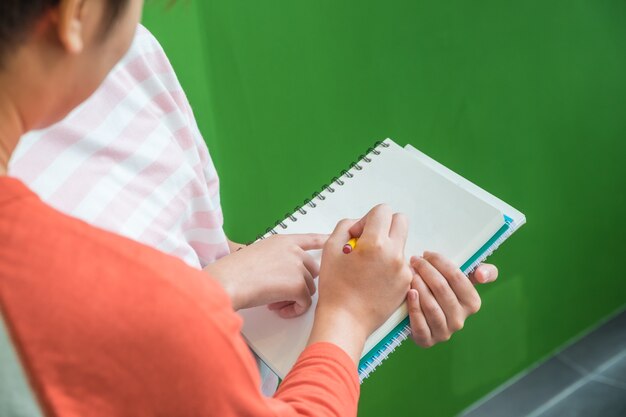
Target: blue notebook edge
x,y
402,331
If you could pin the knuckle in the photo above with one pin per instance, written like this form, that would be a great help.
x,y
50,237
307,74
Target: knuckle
x,y
303,293
439,286
434,256
407,276
296,262
456,325
315,271
427,343
430,308
382,207
375,244
475,304
416,266
420,333
444,337
344,222
420,265
397,261
458,276
414,310
305,273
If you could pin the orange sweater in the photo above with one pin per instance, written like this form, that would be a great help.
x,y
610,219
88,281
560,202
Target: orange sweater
x,y
105,326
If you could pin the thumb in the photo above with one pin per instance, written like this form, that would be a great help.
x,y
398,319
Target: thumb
x,y
357,228
484,274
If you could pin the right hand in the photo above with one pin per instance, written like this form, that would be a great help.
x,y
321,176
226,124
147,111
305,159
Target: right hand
x,y
360,290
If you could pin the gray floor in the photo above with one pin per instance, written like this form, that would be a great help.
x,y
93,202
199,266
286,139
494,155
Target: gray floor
x,y
586,379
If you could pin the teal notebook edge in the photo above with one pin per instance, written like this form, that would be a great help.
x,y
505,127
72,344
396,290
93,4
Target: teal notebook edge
x,y
395,337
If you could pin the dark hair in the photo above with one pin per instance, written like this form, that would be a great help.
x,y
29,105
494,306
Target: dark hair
x,y
17,17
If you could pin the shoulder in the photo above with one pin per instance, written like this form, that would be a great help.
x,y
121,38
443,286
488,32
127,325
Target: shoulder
x,y
68,286
145,41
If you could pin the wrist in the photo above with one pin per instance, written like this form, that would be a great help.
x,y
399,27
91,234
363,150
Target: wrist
x,y
341,327
237,298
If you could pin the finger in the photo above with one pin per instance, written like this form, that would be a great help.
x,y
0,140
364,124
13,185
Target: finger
x,y
288,311
278,305
310,241
399,229
440,288
341,234
434,315
420,332
311,265
310,283
293,310
357,228
484,274
302,300
461,286
377,222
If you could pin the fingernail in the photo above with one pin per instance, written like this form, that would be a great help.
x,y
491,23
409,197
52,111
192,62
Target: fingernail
x,y
416,259
412,295
487,276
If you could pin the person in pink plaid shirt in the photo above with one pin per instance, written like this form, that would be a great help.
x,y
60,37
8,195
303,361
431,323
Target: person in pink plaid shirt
x,y
132,160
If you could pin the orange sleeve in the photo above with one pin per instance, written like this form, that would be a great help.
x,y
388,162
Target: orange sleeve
x,y
105,326
323,382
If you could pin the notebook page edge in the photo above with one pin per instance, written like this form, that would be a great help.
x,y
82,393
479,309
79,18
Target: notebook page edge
x,y
518,217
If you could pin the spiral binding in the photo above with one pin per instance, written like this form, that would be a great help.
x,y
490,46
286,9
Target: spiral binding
x,y
321,195
382,354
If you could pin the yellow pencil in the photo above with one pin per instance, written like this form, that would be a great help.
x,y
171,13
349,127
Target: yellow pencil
x,y
349,247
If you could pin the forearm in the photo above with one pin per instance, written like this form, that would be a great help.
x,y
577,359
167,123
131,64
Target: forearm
x,y
234,292
338,327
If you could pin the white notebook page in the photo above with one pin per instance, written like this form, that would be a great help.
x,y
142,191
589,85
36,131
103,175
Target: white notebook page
x,y
443,217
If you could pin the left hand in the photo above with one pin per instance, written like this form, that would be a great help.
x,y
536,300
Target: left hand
x,y
274,269
442,297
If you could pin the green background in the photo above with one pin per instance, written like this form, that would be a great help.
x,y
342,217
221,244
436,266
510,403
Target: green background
x,y
527,99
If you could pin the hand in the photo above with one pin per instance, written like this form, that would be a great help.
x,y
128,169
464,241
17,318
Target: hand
x,y
273,270
360,290
442,297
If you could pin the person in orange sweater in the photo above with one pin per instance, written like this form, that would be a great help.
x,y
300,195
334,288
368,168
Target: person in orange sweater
x,y
92,341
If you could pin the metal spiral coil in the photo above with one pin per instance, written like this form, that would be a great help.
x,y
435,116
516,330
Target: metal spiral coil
x,y
310,202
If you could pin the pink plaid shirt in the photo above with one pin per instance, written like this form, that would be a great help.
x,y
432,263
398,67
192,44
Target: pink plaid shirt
x,y
132,160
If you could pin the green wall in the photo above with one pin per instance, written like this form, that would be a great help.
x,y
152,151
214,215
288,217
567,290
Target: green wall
x,y
527,99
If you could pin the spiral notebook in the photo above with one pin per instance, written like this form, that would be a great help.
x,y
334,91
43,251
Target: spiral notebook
x,y
447,214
